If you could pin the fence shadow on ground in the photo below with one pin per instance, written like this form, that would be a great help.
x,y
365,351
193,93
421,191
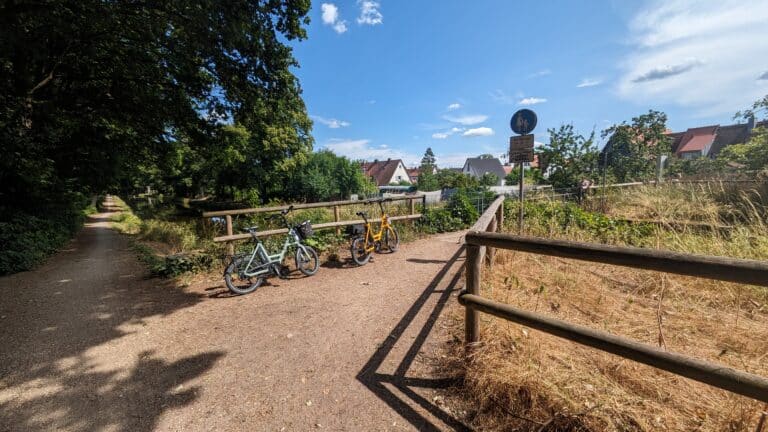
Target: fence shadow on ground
x,y
377,382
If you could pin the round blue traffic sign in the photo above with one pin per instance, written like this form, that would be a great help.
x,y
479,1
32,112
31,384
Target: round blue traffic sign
x,y
523,122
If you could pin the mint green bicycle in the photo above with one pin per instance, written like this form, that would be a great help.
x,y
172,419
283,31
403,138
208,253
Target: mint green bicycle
x,y
246,272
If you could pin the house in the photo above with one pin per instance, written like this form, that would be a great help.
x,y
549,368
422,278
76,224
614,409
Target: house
x,y
413,174
477,167
386,172
509,167
709,141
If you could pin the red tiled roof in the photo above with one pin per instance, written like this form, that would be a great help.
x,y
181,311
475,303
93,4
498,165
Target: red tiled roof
x,y
697,139
381,171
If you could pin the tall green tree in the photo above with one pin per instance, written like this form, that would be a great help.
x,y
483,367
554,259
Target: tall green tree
x,y
633,148
569,156
97,95
427,179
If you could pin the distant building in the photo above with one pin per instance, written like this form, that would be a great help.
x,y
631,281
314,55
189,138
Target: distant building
x,y
386,172
709,141
413,174
477,167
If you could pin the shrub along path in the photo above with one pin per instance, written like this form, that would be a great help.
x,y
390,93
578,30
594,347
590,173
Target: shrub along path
x,y
90,342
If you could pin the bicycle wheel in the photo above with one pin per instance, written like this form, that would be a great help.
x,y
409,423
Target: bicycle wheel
x,y
239,283
391,239
359,255
306,260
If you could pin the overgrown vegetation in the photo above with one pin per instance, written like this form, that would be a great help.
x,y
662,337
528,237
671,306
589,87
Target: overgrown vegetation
x,y
519,379
27,238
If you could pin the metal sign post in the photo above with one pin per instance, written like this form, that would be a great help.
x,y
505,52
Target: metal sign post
x,y
521,150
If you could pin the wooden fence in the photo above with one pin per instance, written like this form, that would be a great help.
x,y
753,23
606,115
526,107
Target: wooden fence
x,y
335,205
725,269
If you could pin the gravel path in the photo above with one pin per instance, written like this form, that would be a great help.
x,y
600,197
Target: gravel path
x,y
89,342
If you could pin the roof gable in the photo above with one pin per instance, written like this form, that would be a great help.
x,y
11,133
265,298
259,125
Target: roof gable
x,y
381,171
480,166
697,139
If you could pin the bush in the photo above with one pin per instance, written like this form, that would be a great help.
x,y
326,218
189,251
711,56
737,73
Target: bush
x,y
28,239
462,208
439,220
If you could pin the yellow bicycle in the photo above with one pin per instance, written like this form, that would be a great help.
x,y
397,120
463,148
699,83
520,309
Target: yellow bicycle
x,y
366,241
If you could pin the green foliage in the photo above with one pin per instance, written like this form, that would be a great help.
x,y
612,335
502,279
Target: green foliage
x,y
429,158
28,239
451,179
569,157
427,180
489,179
439,220
753,155
532,176
113,96
326,177
552,218
633,149
462,208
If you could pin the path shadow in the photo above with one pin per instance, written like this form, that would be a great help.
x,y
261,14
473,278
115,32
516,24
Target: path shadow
x,y
78,300
84,399
377,382
426,261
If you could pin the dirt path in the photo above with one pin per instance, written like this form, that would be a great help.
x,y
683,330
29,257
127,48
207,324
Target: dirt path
x,y
89,342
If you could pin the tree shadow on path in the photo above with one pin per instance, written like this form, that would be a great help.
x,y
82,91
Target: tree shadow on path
x,y
377,382
90,296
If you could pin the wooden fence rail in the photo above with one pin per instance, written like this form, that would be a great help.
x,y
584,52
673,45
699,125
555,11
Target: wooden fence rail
x,y
335,205
719,268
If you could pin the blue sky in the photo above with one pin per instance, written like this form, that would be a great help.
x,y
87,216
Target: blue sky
x,y
390,78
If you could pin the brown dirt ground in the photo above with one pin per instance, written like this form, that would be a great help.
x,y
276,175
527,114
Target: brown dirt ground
x,y
90,342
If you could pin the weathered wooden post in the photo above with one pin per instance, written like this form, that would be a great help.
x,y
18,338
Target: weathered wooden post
x,y
336,218
490,252
472,317
500,218
230,246
413,206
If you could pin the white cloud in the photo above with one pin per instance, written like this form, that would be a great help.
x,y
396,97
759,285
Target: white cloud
x,y
361,149
331,17
477,132
531,101
331,122
589,82
541,73
446,134
501,97
369,13
454,106
698,55
467,120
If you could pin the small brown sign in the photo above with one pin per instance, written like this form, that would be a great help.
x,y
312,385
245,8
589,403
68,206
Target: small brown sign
x,y
521,148
521,156
520,143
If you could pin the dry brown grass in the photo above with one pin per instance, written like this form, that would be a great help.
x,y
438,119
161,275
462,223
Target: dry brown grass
x,y
520,379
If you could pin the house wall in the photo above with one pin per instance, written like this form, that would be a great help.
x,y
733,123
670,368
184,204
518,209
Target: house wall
x,y
400,174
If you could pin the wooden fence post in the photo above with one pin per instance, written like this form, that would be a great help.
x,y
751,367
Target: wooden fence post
x,y
472,317
413,205
489,251
336,218
500,218
230,246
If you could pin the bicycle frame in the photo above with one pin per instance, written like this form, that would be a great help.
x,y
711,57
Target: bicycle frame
x,y
377,236
291,240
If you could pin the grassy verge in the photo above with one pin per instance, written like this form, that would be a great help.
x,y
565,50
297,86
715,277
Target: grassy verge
x,y
28,238
520,379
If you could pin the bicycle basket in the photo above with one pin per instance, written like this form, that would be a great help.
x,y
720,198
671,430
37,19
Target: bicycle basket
x,y
304,230
356,230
